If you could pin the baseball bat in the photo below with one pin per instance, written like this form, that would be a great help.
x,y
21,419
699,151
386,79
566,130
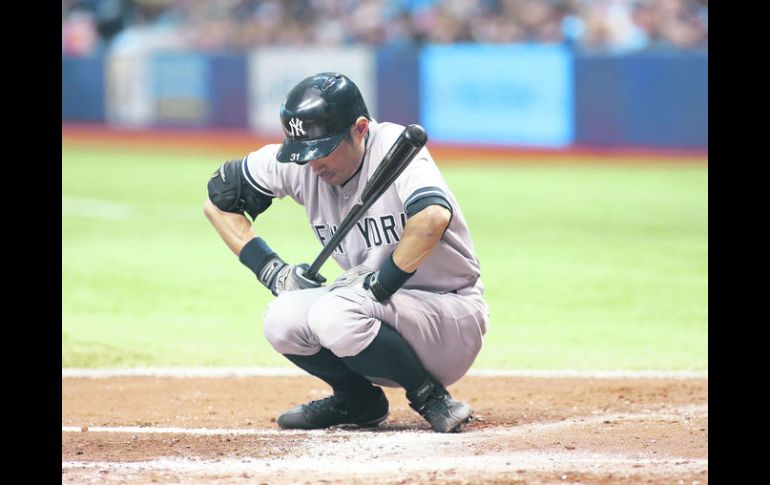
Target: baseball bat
x,y
403,151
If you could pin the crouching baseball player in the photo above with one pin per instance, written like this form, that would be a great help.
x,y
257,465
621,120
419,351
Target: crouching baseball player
x,y
409,310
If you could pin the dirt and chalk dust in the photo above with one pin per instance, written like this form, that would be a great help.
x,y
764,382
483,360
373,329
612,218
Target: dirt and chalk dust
x,y
526,430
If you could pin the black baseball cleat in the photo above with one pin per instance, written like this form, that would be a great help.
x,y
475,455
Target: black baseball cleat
x,y
332,411
433,402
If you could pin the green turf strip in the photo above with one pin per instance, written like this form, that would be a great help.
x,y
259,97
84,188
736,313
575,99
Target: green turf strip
x,y
586,267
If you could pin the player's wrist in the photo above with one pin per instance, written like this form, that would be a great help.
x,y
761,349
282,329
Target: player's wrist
x,y
261,260
387,280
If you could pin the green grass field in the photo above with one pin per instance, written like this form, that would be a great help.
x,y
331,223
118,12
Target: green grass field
x,y
586,267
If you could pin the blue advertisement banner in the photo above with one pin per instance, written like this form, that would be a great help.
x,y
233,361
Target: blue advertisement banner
x,y
499,94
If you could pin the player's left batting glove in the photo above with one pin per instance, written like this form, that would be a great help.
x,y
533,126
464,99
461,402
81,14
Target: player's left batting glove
x,y
381,284
274,272
292,277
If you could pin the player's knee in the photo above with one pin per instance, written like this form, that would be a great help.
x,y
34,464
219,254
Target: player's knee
x,y
282,323
339,323
326,319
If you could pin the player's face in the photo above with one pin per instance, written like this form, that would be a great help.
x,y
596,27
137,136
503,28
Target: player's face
x,y
337,167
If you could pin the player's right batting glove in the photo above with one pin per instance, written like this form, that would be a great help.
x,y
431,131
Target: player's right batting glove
x,y
353,278
274,272
381,284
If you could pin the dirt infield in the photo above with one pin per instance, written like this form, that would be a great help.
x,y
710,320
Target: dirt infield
x,y
527,430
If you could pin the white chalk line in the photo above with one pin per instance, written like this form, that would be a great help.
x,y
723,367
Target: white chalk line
x,y
330,466
190,431
680,413
334,451
223,372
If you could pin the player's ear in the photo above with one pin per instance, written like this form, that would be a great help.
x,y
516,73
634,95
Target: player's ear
x,y
360,128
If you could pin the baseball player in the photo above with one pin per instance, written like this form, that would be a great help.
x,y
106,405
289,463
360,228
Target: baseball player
x,y
408,311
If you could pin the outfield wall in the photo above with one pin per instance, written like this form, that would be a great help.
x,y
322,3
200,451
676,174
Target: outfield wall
x,y
82,89
498,95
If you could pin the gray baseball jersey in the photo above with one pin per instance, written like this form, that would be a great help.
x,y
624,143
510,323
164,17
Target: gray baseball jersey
x,y
439,311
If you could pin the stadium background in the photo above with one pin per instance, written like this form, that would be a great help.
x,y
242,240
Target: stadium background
x,y
574,134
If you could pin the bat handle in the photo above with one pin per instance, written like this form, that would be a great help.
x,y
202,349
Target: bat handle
x,y
312,271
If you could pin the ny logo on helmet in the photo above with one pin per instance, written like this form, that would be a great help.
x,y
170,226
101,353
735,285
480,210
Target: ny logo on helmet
x,y
296,127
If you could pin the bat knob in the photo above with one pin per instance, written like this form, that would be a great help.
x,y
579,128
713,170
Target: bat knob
x,y
415,135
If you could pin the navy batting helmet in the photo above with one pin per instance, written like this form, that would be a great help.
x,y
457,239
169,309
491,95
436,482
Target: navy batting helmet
x,y
317,114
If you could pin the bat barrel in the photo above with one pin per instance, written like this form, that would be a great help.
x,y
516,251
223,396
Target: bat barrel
x,y
411,141
415,134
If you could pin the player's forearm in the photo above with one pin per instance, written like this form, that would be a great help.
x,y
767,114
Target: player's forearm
x,y
421,234
235,229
